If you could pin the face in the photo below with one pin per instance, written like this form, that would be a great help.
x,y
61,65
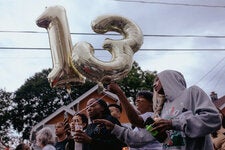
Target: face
x,y
76,120
143,105
59,129
26,147
94,110
115,112
39,141
158,86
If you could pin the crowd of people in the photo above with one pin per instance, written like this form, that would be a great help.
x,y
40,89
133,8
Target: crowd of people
x,y
182,119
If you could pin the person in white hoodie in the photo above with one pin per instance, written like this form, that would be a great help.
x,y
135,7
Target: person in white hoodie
x,y
187,114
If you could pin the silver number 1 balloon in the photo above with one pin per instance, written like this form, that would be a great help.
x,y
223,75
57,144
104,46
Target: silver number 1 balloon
x,y
54,19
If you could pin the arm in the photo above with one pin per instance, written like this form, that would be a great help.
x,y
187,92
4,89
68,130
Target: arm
x,y
130,137
102,139
201,119
204,117
133,138
132,114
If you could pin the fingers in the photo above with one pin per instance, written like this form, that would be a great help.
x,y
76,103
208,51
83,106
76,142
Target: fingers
x,y
110,87
113,86
162,125
78,139
79,133
109,125
102,121
99,121
79,136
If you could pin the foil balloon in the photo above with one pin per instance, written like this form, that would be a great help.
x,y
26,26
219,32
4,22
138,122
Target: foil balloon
x,y
122,50
63,74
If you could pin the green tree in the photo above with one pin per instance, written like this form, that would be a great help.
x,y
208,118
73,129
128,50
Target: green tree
x,y
5,106
137,80
35,100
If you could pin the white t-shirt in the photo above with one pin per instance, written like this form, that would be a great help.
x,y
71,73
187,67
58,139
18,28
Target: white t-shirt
x,y
49,147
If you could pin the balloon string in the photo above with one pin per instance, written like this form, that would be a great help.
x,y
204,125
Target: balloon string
x,y
91,104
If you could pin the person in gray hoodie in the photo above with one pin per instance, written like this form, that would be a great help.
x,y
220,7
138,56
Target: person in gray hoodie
x,y
138,138
186,114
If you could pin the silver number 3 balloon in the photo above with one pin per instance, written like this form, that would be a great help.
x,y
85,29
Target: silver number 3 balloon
x,y
74,64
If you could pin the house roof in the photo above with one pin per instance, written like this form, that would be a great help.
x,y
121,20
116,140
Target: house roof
x,y
69,106
44,121
83,96
220,103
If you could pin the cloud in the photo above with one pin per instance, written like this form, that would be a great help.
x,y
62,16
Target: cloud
x,y
153,19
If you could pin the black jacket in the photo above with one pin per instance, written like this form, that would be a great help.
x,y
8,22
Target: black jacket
x,y
102,138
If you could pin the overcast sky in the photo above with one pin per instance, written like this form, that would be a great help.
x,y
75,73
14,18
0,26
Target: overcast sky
x,y
190,24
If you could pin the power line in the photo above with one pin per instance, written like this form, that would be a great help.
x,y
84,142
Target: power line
x,y
210,70
186,36
221,77
24,48
115,34
142,49
216,78
217,72
10,31
176,4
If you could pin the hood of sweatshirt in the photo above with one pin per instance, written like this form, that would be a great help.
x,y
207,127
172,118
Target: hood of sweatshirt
x,y
173,83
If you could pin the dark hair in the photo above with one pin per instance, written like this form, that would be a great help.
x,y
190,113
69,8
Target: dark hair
x,y
106,111
84,119
65,125
20,146
116,106
145,94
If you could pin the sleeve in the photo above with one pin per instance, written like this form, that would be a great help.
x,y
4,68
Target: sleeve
x,y
132,138
146,115
202,119
105,138
114,120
